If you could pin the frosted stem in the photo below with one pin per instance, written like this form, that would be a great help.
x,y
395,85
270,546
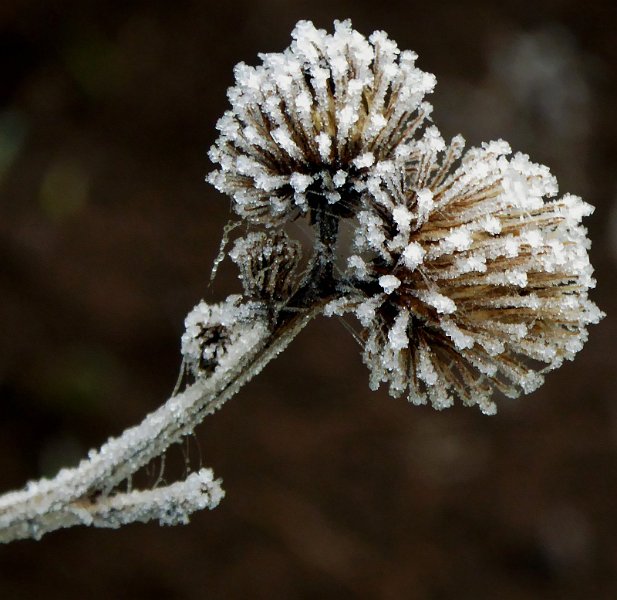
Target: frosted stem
x,y
170,505
50,504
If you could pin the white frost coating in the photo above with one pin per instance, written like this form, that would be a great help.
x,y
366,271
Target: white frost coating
x,y
426,370
364,161
365,312
340,177
425,203
170,505
402,217
328,99
459,239
324,145
488,266
397,336
461,340
357,266
336,307
268,264
300,182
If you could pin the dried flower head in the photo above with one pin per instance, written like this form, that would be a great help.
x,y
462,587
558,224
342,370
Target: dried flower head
x,y
308,126
468,278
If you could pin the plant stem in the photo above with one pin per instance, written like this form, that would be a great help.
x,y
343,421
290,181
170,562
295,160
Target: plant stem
x,y
49,504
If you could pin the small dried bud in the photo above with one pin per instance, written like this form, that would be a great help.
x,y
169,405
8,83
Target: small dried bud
x,y
219,337
267,264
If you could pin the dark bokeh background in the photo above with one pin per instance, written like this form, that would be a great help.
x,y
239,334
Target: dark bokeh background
x,y
107,234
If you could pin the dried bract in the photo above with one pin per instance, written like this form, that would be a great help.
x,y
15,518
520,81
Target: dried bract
x,y
268,265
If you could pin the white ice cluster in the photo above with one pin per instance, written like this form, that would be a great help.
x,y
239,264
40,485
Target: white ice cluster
x,y
314,121
470,275
219,337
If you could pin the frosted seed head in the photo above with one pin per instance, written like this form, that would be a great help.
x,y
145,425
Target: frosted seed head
x,y
301,111
484,269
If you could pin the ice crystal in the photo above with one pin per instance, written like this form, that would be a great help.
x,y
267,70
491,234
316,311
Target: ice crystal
x,y
310,124
470,274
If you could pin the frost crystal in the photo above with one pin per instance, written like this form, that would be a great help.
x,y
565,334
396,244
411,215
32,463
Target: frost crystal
x,y
476,276
312,124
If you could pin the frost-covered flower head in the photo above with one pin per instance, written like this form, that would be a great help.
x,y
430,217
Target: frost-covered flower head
x,y
310,124
469,278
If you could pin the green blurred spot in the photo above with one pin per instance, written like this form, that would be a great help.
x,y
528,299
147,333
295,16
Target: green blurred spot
x,y
13,128
96,64
64,190
80,379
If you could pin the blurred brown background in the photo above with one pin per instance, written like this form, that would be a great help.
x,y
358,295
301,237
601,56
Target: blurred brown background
x,y
107,234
